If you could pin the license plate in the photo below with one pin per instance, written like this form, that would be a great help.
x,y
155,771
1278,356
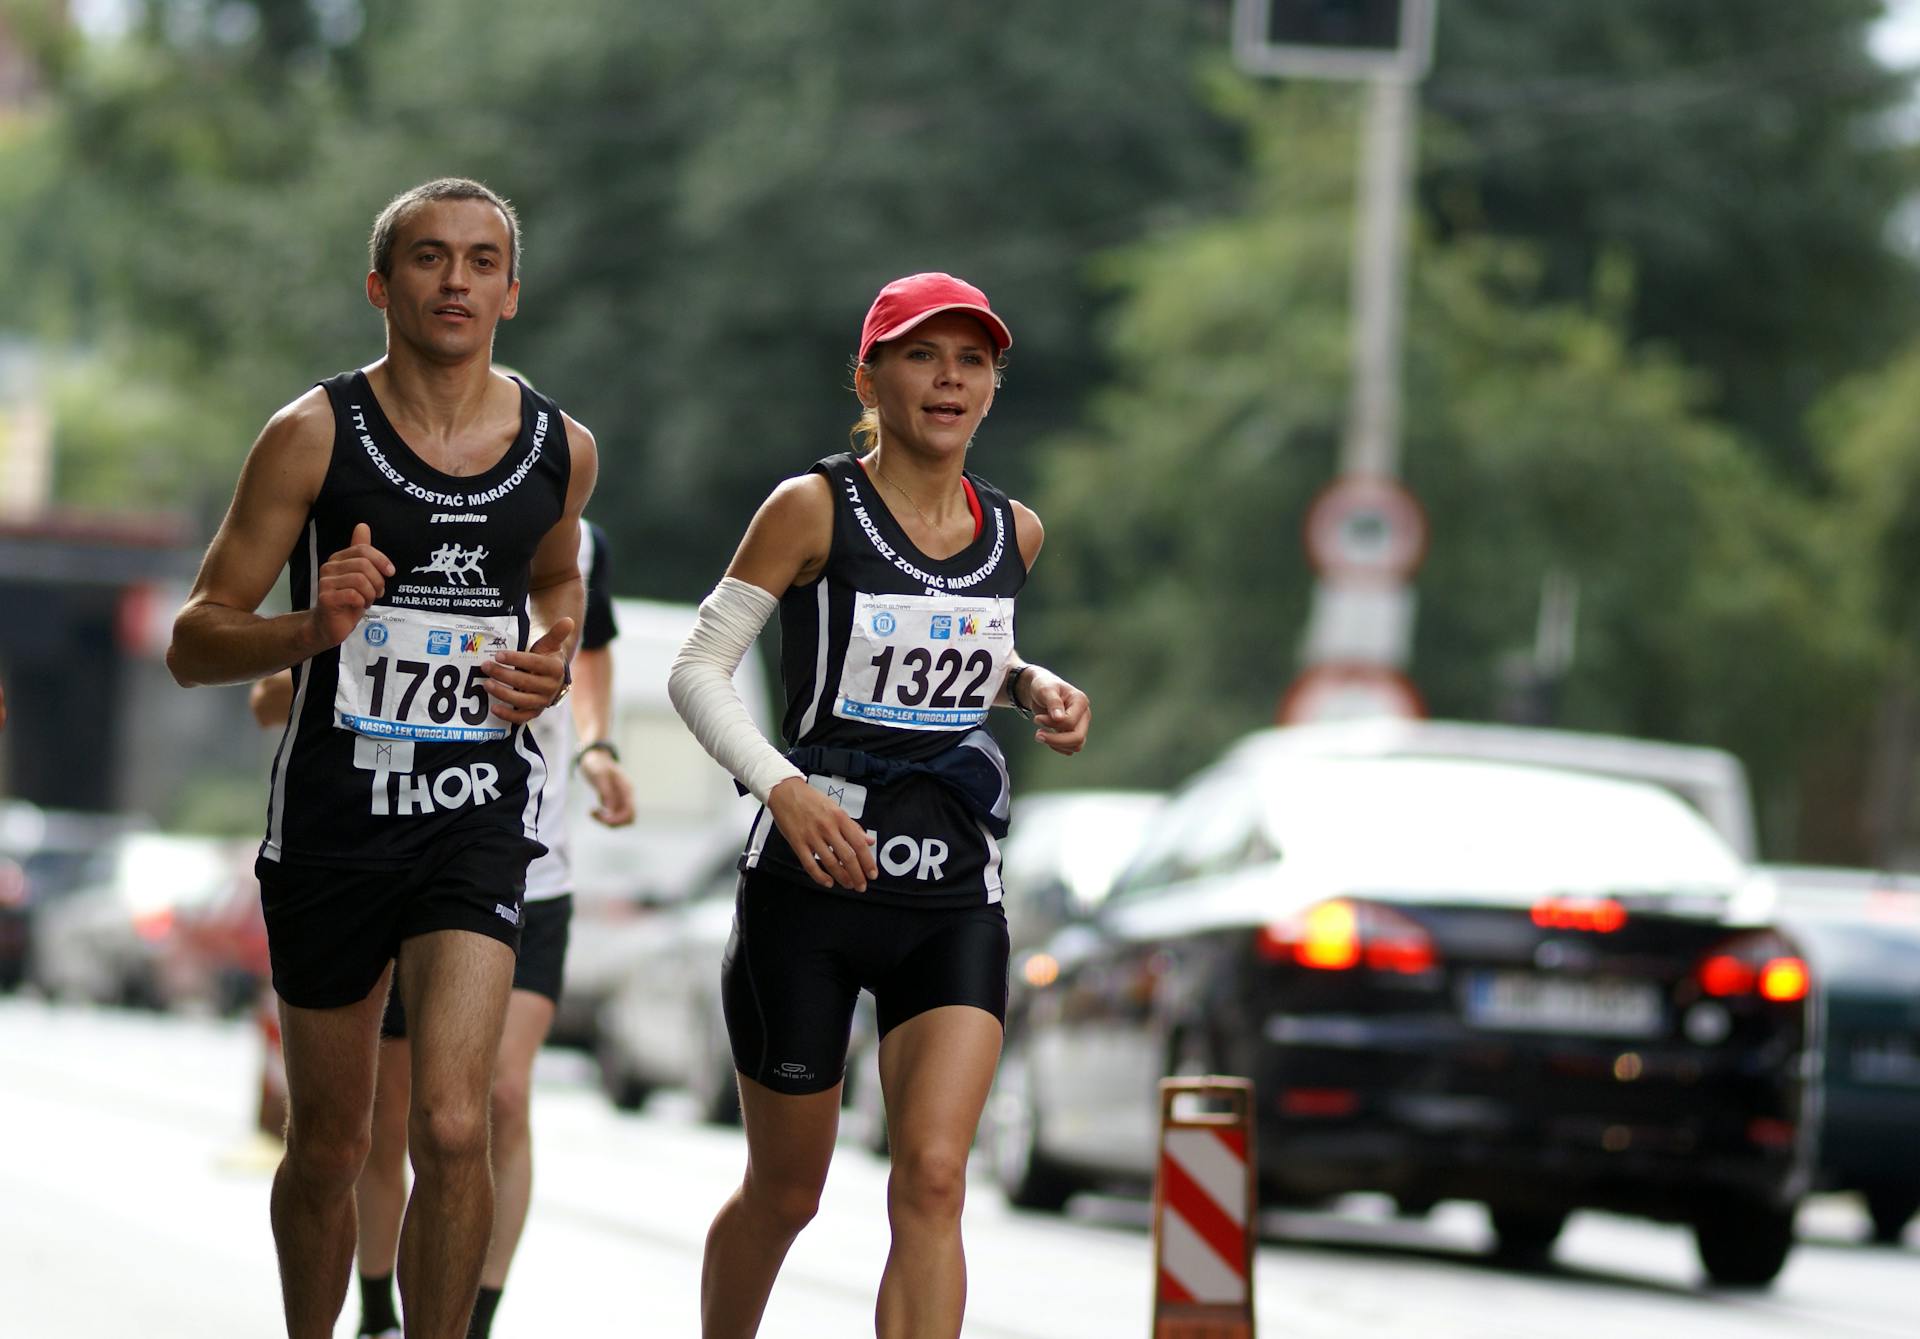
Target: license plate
x,y
1529,1002
1886,1060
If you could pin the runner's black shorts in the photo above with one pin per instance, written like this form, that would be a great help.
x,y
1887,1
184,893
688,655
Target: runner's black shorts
x,y
331,931
799,957
544,924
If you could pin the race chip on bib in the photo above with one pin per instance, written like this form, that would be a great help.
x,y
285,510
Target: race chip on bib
x,y
411,675
925,662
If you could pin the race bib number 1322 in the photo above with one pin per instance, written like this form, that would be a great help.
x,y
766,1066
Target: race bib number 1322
x,y
925,662
410,675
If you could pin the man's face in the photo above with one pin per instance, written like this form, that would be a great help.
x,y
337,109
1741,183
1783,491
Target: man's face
x,y
449,285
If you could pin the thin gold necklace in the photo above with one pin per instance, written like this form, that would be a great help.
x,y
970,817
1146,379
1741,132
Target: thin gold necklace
x,y
908,496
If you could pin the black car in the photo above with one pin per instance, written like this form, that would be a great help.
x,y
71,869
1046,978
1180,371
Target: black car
x,y
1537,989
1861,929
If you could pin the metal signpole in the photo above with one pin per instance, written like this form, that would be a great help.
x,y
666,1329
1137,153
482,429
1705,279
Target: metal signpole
x,y
1366,534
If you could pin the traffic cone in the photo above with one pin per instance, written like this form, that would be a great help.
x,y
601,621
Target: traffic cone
x,y
1204,1204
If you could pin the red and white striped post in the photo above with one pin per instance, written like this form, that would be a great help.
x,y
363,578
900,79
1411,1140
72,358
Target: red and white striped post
x,y
1203,1213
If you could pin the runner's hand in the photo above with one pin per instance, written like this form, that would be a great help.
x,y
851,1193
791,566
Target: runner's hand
x,y
1061,712
815,826
612,788
524,683
350,580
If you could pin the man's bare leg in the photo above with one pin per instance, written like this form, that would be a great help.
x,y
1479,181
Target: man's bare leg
x,y
454,986
380,1195
529,1017
330,1066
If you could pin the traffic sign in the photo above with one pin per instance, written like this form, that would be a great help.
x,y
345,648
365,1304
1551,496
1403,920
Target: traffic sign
x,y
1350,692
1366,525
1334,39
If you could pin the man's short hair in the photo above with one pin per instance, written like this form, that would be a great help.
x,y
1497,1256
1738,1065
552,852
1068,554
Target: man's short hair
x,y
387,225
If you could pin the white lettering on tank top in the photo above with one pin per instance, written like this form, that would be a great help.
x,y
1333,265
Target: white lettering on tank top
x,y
459,501
932,581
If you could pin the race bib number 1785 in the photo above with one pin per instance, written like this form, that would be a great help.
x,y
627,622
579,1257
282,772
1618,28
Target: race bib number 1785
x,y
411,675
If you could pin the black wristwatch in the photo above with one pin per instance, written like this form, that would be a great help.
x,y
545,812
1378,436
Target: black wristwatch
x,y
603,745
1013,698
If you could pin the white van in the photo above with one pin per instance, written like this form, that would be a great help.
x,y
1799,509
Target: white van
x,y
687,810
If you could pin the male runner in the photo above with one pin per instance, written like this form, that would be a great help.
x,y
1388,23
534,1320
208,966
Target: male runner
x,y
381,1193
405,793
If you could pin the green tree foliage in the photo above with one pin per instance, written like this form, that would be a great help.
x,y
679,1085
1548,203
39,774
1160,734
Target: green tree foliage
x,y
711,196
1735,150
1538,437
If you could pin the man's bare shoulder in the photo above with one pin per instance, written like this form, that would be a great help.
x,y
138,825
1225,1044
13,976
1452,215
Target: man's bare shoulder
x,y
302,424
293,452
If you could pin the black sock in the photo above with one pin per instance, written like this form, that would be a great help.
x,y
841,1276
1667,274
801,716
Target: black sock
x,y
481,1325
377,1315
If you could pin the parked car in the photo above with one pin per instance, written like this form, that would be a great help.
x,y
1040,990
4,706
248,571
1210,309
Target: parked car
x,y
44,855
1539,989
1711,781
1861,929
108,942
216,959
660,1025
1064,848
687,812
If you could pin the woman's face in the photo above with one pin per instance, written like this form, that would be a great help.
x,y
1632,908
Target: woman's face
x,y
933,385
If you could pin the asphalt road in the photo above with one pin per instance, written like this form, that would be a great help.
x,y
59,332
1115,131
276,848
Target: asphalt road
x,y
135,1204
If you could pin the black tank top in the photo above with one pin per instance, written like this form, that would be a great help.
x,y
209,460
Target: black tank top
x,y
894,653
391,745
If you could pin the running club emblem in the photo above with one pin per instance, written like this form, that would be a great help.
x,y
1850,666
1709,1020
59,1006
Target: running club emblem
x,y
454,563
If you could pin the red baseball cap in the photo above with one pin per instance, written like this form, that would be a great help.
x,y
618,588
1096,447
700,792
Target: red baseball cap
x,y
905,303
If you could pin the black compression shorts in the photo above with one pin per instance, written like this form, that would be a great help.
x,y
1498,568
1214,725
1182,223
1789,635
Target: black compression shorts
x,y
799,957
331,930
539,968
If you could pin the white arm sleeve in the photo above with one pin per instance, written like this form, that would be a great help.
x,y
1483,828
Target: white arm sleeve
x,y
701,687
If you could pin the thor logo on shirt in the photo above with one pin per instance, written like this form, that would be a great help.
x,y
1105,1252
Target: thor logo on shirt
x,y
402,794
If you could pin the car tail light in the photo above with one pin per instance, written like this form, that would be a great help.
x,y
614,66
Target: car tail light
x,y
1040,970
1602,915
1320,1102
154,925
1761,963
1342,934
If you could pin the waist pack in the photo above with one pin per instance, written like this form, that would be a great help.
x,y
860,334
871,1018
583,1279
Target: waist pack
x,y
974,769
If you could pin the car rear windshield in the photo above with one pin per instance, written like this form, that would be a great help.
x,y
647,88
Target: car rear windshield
x,y
1416,825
